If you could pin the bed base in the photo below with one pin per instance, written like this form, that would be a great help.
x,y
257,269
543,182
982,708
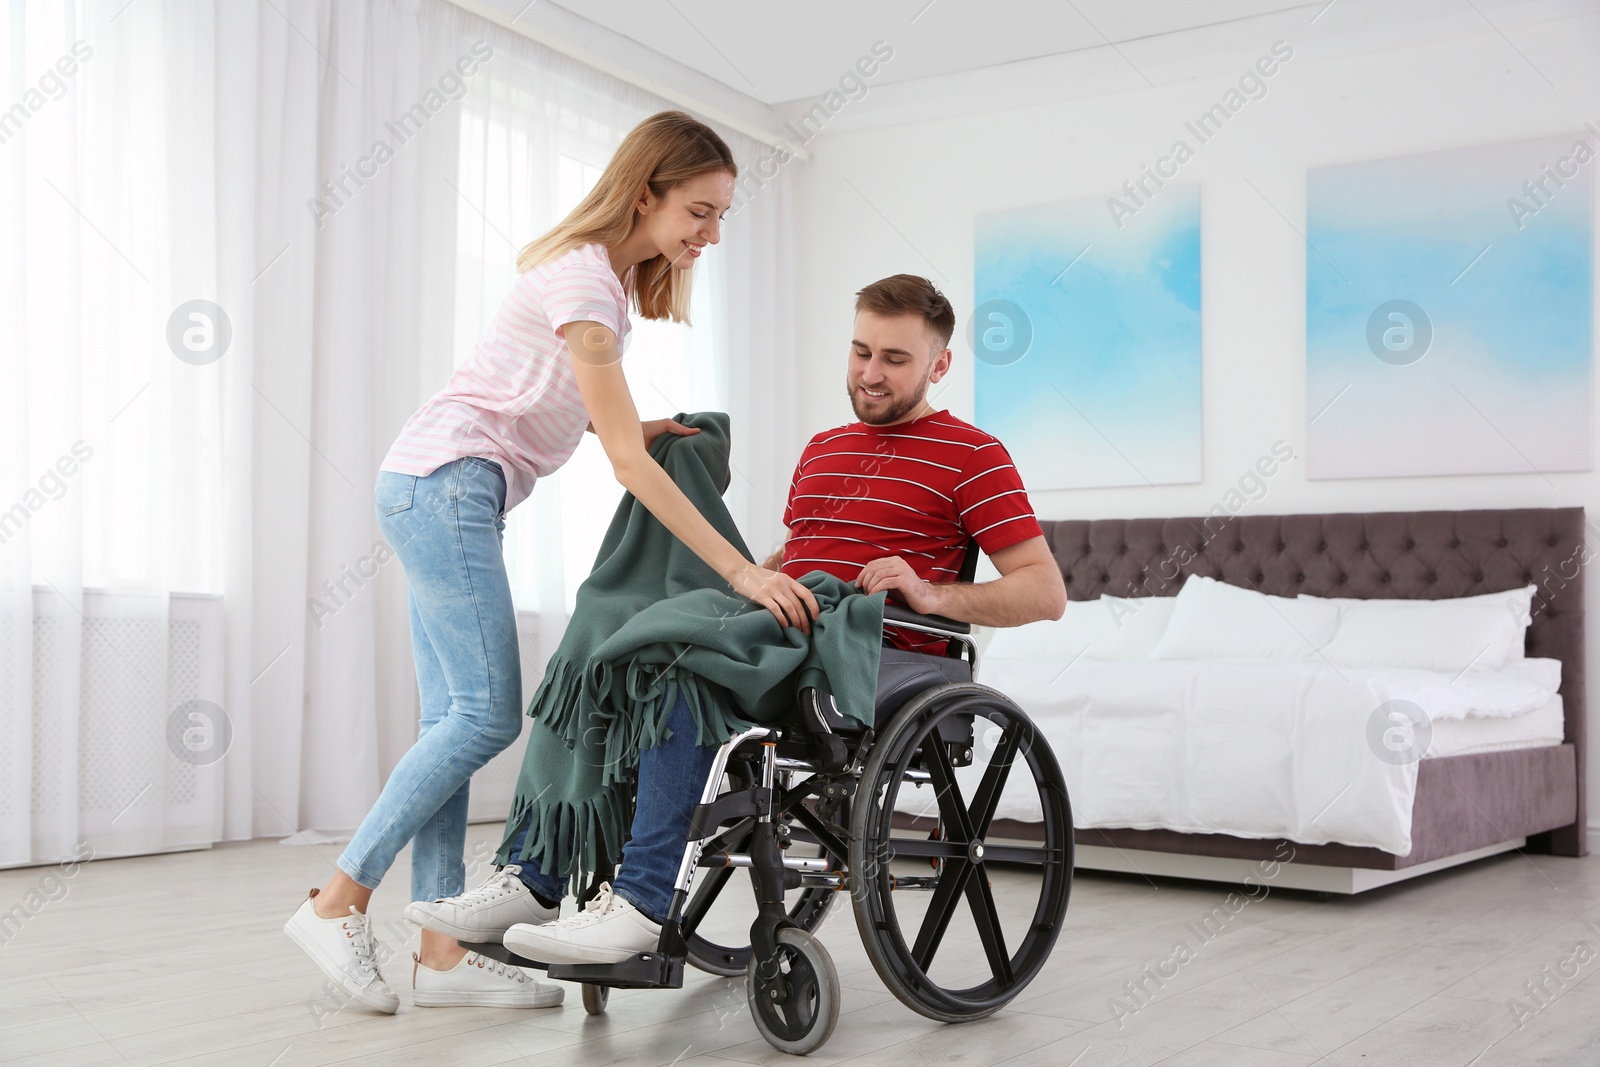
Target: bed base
x,y
1252,874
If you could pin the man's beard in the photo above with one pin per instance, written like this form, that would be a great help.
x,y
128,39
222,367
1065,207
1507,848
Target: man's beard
x,y
894,412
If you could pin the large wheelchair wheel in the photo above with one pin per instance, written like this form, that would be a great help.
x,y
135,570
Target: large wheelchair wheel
x,y
807,907
952,736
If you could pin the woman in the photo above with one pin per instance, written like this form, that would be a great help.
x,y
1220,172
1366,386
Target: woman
x,y
547,368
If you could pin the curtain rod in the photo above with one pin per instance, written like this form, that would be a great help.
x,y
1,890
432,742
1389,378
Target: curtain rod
x,y
618,71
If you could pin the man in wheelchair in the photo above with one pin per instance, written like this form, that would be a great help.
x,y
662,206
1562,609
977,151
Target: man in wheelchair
x,y
892,502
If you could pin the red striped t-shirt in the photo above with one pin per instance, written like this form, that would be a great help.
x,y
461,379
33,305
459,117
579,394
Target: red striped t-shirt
x,y
920,490
516,400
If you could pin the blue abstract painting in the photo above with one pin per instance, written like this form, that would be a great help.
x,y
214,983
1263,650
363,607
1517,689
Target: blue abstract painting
x,y
1448,312
1087,340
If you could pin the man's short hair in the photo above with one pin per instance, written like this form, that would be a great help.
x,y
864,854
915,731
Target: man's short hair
x,y
907,294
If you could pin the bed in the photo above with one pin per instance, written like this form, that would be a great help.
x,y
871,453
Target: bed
x,y
1517,794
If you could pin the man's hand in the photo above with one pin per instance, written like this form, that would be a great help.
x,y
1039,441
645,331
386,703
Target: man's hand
x,y
895,574
656,427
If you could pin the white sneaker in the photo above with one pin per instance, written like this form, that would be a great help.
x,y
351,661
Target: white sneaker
x,y
346,952
608,930
478,981
484,913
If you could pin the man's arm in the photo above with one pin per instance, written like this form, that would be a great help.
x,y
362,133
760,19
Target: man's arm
x,y
1029,588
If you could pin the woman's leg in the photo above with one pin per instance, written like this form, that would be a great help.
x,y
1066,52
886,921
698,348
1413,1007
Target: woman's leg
x,y
343,891
437,850
447,535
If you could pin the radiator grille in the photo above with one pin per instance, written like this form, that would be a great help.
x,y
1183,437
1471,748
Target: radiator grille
x,y
104,684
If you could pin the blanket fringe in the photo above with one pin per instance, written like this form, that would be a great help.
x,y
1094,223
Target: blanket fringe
x,y
604,717
557,703
567,838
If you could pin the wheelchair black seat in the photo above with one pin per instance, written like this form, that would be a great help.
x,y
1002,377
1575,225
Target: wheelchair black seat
x,y
902,674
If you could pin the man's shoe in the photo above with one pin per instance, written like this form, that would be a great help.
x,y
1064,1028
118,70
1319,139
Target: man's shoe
x,y
608,930
484,913
480,982
346,952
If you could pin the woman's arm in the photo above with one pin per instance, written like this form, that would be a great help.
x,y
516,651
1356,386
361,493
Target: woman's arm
x,y
598,369
656,427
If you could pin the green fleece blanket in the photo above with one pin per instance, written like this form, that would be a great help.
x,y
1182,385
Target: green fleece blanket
x,y
653,621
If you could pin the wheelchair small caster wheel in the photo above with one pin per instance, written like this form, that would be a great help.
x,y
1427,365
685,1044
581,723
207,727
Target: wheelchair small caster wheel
x,y
800,1019
595,997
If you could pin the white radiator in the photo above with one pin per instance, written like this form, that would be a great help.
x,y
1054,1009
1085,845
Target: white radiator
x,y
105,772
107,775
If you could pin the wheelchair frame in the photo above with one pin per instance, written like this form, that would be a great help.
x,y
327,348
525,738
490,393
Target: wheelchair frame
x,y
791,982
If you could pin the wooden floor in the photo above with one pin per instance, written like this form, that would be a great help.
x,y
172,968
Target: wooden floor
x,y
181,959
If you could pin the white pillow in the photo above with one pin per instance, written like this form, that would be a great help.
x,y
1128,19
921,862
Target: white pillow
x,y
1140,622
1109,628
1518,603
1215,620
1435,635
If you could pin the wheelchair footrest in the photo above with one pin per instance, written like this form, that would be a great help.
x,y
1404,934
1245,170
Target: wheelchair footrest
x,y
644,970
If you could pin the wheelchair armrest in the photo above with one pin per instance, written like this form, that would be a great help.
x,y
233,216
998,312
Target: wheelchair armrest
x,y
895,613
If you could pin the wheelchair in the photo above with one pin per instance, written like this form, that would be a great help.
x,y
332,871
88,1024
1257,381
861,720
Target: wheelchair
x,y
819,806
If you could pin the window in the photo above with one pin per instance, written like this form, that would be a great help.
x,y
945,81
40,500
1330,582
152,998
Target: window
x,y
551,539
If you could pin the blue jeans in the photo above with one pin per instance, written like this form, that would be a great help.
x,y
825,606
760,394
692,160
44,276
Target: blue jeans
x,y
447,529
671,778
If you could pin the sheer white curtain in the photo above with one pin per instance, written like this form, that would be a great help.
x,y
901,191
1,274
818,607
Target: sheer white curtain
x,y
110,445
346,185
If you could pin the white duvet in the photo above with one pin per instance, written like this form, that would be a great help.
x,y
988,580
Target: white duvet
x,y
1252,748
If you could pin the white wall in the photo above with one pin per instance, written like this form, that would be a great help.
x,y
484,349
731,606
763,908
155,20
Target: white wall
x,y
877,201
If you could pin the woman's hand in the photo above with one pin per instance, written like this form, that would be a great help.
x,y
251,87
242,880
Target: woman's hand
x,y
656,427
790,602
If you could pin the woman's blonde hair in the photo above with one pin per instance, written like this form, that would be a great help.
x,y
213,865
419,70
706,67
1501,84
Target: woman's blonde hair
x,y
664,150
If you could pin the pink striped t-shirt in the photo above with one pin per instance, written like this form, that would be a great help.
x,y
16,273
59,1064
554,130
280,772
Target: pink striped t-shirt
x,y
516,400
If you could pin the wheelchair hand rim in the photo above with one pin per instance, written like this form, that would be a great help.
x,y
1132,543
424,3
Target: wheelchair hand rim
x,y
873,895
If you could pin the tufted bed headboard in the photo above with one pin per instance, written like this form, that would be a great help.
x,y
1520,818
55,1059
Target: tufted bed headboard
x,y
1393,554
